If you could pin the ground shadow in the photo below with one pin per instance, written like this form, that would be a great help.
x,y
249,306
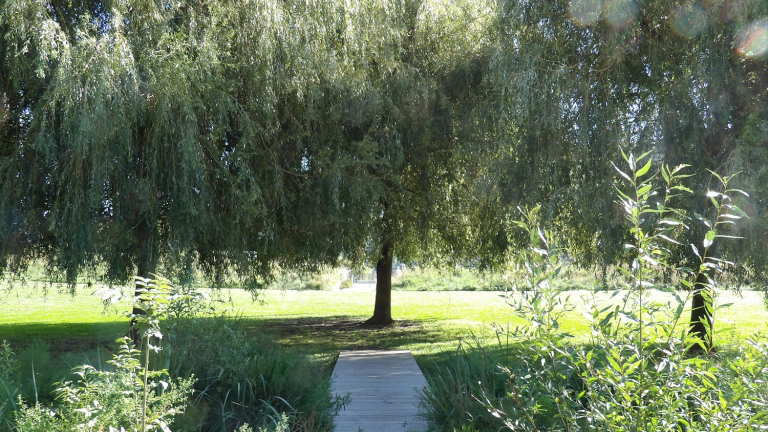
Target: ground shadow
x,y
321,336
336,333
64,337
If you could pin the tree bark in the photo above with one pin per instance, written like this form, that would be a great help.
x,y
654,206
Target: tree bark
x,y
701,313
382,310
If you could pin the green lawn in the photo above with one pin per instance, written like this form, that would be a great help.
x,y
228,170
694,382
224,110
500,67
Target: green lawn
x,y
321,322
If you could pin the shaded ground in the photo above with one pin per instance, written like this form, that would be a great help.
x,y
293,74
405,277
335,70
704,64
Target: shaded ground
x,y
340,332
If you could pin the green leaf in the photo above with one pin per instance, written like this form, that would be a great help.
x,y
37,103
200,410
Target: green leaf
x,y
623,174
642,171
624,155
606,320
703,220
650,260
739,191
644,190
615,365
644,155
709,238
739,211
668,239
718,176
670,222
682,188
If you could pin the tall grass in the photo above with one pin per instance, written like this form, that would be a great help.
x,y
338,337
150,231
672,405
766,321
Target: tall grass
x,y
242,379
454,381
245,379
10,386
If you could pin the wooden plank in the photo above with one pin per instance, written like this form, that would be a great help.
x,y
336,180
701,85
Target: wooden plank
x,y
384,387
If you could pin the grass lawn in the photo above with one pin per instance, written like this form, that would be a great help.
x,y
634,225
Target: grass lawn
x,y
322,322
67,322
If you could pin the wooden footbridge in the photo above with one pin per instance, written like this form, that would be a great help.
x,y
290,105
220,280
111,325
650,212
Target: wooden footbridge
x,y
384,387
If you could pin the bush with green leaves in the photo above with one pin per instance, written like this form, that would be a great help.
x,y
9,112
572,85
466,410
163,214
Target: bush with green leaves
x,y
229,379
640,370
466,279
111,400
449,400
130,397
245,378
242,380
281,425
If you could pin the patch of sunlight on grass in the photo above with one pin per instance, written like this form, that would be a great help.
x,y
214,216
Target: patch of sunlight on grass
x,y
322,322
428,323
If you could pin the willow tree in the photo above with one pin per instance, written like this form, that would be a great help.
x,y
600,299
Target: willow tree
x,y
150,136
146,136
416,66
579,79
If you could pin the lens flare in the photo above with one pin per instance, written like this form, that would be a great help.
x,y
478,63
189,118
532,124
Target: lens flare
x,y
620,13
690,21
752,41
586,12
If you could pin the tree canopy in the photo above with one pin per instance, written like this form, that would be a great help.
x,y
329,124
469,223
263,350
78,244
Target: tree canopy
x,y
575,81
234,135
142,136
146,133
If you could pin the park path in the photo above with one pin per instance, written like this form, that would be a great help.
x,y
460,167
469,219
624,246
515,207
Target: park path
x,y
384,387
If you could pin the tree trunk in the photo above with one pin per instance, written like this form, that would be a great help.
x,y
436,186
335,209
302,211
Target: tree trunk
x,y
145,268
701,313
382,311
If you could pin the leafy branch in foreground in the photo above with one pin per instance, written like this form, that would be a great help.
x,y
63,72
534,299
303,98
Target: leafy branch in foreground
x,y
538,301
702,309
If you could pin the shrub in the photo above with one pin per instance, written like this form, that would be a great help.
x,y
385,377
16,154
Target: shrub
x,y
39,372
131,396
249,379
242,378
324,279
104,400
246,382
463,279
449,399
638,371
430,279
